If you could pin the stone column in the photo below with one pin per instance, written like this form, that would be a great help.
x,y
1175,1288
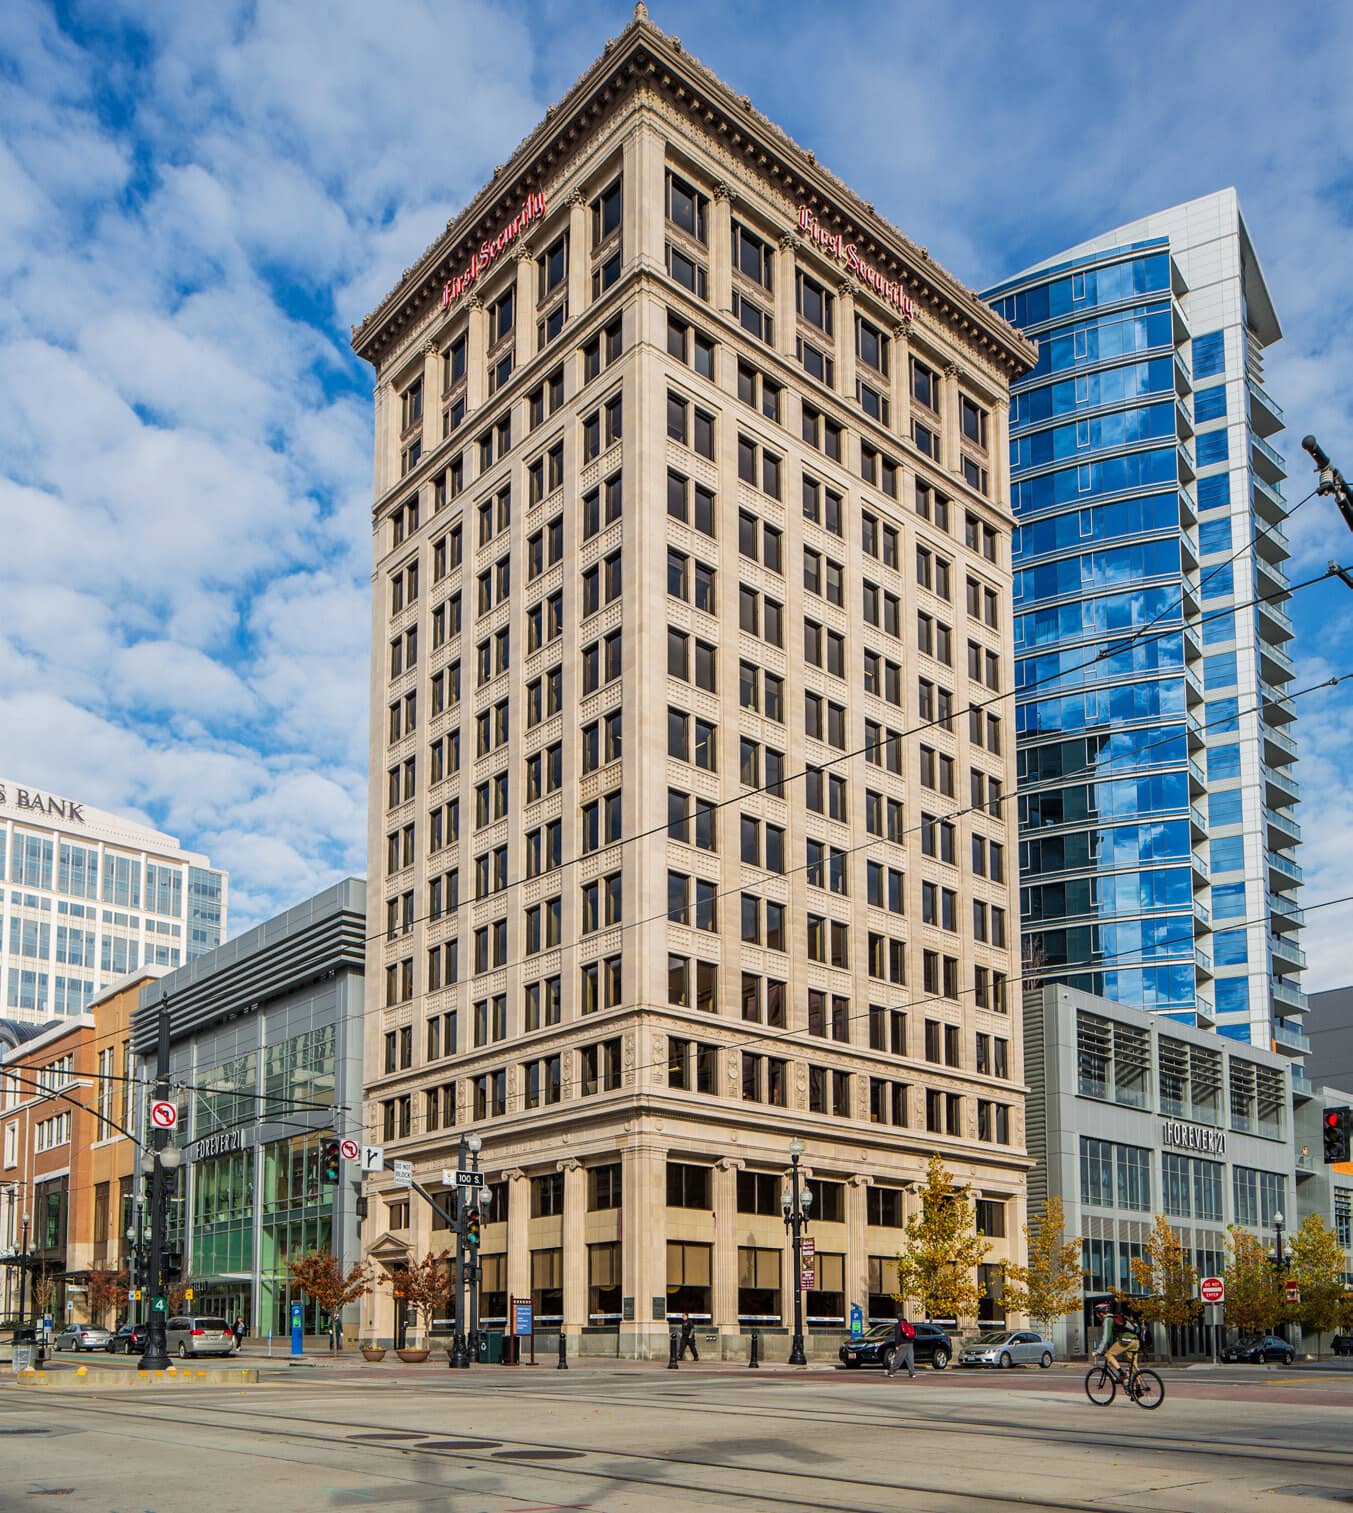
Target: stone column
x,y
725,1277
786,323
857,1244
385,463
432,396
845,348
949,439
644,1252
644,235
476,370
579,255
721,248
900,374
518,1226
998,439
524,337
575,1253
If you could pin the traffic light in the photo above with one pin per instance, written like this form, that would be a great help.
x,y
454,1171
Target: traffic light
x,y
1338,1129
472,1227
330,1161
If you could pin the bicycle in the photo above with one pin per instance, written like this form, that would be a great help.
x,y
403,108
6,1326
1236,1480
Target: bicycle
x,y
1102,1382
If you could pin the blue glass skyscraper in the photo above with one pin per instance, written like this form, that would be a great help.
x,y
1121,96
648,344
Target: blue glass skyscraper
x,y
1155,747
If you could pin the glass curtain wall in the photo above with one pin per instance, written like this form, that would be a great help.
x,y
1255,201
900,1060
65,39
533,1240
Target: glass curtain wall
x,y
1105,558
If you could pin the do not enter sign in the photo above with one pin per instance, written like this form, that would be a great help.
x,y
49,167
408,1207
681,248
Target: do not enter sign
x,y
164,1115
1212,1290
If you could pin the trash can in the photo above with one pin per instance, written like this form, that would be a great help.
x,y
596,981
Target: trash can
x,y
491,1347
25,1350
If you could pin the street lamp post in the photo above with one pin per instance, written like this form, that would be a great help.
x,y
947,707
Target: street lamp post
x,y
1279,1258
797,1203
23,1275
472,1198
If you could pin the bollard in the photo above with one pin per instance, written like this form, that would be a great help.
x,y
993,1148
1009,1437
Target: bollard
x,y
563,1351
672,1352
754,1363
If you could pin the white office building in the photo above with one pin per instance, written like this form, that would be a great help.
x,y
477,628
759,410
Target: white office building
x,y
89,897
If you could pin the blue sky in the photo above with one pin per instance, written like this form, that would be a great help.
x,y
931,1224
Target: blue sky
x,y
196,202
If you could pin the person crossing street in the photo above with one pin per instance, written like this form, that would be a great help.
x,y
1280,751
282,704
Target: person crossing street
x,y
688,1339
904,1347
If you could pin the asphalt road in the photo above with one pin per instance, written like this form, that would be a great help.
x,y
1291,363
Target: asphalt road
x,y
625,1440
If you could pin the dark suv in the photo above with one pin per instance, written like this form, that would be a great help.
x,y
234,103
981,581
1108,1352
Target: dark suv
x,y
129,1340
875,1347
1342,1344
1263,1348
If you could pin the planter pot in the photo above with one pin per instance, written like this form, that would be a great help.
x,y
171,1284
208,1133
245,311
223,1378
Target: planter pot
x,y
413,1357
373,1352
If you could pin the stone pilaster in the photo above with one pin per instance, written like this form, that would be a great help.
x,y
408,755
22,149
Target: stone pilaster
x,y
786,323
721,248
725,1279
575,1252
524,337
857,1243
476,369
518,1226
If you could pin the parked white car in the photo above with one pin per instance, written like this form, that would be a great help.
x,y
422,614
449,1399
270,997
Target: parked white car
x,y
1009,1347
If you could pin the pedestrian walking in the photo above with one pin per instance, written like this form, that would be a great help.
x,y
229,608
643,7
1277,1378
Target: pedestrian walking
x,y
687,1339
239,1331
904,1347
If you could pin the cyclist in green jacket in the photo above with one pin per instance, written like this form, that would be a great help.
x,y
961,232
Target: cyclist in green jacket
x,y
1122,1337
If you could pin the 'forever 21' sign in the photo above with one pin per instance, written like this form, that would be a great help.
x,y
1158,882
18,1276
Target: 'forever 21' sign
x,y
1194,1137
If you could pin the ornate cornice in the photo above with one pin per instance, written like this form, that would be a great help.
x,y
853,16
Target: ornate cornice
x,y
643,59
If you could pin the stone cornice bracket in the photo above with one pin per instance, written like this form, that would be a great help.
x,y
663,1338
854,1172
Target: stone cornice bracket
x,y
429,348
475,302
952,370
790,242
577,198
845,289
524,254
568,1164
903,327
724,191
729,1164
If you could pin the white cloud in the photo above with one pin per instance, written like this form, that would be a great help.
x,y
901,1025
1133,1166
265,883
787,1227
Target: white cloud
x,y
189,223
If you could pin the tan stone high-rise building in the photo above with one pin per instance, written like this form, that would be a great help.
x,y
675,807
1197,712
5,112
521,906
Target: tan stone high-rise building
x,y
691,560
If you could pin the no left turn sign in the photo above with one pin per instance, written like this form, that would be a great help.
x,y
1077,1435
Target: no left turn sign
x,y
349,1150
164,1115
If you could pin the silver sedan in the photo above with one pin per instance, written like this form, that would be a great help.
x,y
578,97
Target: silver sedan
x,y
1008,1347
81,1337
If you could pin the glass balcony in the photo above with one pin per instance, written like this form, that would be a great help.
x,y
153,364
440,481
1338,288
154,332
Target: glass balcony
x,y
1279,747
1287,955
1288,1038
1301,1083
1283,830
1275,624
1278,708
1269,504
1268,464
1287,996
1266,416
1280,787
1273,543
1284,871
1202,961
1275,664
1305,1160
1285,914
